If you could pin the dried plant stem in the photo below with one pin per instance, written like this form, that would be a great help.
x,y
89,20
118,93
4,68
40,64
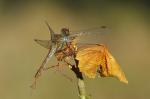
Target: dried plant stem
x,y
81,89
80,83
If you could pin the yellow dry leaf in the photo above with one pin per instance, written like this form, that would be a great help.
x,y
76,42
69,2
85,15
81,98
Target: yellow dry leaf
x,y
95,57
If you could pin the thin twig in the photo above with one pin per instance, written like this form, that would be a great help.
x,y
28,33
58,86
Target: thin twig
x,y
80,83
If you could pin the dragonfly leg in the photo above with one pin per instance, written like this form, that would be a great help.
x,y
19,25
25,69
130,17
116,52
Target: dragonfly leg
x,y
59,70
49,67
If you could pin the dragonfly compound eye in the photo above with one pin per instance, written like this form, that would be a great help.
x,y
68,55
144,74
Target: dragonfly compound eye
x,y
65,31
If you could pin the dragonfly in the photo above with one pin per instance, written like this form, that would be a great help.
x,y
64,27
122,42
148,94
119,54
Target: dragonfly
x,y
58,42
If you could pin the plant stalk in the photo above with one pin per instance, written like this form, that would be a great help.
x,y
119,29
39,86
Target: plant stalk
x,y
80,83
81,89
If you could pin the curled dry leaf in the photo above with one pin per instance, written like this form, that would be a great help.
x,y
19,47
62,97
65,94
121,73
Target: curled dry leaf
x,y
95,59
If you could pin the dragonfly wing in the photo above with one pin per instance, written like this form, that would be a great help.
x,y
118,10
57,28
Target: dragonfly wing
x,y
47,58
52,34
50,53
53,50
102,29
44,43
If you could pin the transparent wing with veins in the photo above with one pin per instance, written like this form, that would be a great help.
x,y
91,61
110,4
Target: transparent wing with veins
x,y
99,30
49,44
47,58
44,43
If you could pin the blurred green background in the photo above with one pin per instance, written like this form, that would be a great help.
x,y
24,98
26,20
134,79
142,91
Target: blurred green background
x,y
128,40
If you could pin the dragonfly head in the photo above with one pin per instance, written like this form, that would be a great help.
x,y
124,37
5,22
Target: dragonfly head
x,y
65,32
